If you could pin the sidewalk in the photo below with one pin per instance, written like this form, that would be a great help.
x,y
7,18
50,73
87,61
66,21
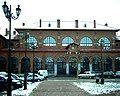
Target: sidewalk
x,y
63,86
58,88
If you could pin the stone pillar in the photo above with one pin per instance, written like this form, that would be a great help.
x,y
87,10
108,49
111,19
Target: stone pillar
x,y
19,66
67,69
113,65
90,66
79,67
55,69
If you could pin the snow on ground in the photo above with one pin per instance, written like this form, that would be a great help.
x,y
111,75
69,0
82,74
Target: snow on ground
x,y
21,92
96,89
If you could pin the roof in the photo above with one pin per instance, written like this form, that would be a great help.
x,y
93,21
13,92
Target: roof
x,y
60,29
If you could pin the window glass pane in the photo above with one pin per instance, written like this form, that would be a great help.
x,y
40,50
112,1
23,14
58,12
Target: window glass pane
x,y
86,41
66,41
49,41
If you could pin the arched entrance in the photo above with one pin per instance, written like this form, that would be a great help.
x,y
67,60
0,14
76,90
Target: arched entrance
x,y
37,63
49,65
85,64
107,64
14,64
117,64
61,66
25,64
96,64
73,64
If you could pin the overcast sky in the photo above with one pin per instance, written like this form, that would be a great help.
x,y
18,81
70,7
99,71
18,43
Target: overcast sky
x,y
103,11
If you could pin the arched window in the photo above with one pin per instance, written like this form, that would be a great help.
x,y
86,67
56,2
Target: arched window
x,y
105,42
31,41
49,41
66,41
86,41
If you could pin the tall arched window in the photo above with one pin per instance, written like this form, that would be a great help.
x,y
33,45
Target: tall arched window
x,y
105,41
66,41
86,41
49,41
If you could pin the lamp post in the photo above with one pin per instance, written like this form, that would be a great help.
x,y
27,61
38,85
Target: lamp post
x,y
102,66
24,36
33,46
9,16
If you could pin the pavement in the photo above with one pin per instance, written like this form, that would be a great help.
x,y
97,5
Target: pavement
x,y
63,86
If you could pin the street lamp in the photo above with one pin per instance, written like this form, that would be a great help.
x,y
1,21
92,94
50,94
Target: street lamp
x,y
33,46
24,36
102,66
9,16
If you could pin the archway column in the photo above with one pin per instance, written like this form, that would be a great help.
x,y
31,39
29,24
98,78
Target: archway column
x,y
113,65
55,69
79,67
67,68
19,66
90,66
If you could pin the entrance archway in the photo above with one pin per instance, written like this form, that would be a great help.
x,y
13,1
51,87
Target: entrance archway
x,y
85,64
117,64
14,64
49,65
61,66
37,63
107,64
25,64
96,63
73,66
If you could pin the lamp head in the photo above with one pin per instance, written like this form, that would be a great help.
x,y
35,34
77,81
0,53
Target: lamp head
x,y
5,8
18,11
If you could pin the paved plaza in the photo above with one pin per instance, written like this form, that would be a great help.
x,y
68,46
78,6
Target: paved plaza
x,y
61,86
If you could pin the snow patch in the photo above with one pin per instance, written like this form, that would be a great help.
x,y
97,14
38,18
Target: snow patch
x,y
96,89
21,92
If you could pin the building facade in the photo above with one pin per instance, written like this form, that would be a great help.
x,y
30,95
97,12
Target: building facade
x,y
62,51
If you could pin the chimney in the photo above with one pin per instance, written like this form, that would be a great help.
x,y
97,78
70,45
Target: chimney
x,y
23,24
58,23
40,23
94,23
6,32
76,23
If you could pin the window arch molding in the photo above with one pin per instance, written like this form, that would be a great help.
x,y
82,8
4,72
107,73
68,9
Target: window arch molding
x,y
67,40
86,41
49,41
